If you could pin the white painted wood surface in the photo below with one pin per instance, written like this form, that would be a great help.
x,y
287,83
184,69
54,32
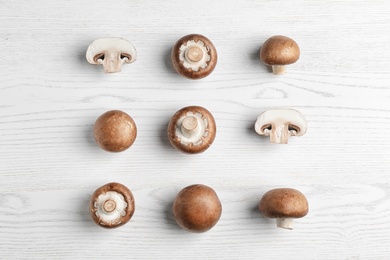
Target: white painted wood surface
x,y
50,97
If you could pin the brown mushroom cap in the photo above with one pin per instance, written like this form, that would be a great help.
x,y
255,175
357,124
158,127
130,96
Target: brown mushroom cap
x,y
195,54
115,131
284,203
101,211
206,138
279,50
197,208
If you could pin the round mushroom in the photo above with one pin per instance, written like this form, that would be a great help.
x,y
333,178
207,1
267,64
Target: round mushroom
x,y
280,124
112,205
284,204
197,208
192,129
194,56
111,53
115,131
279,51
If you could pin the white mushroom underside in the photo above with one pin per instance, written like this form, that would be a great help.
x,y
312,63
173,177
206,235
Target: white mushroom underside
x,y
195,66
196,137
113,216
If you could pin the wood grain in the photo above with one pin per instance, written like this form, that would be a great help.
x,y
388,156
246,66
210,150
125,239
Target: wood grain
x,y
50,98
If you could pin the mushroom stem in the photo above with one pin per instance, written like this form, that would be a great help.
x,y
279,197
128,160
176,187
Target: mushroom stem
x,y
189,126
287,223
280,134
112,63
193,54
109,206
278,69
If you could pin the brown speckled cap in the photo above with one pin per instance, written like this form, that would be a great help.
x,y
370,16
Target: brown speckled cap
x,y
279,50
197,208
115,131
284,203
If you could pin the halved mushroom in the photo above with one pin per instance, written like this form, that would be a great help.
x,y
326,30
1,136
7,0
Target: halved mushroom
x,y
284,204
279,51
111,53
112,205
192,129
194,56
280,124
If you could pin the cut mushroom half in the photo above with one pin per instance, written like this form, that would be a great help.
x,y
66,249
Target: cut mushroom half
x,y
111,53
279,51
112,205
280,124
192,129
194,56
284,205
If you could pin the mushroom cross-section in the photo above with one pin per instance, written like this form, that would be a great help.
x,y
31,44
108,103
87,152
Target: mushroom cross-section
x,y
194,56
192,129
111,53
197,208
280,124
115,131
112,205
284,204
279,51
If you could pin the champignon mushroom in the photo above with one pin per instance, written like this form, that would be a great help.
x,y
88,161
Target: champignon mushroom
x,y
111,53
115,131
194,56
280,124
197,208
192,129
112,205
279,51
284,204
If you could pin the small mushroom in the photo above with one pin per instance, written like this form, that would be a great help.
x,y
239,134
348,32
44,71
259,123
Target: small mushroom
x,y
115,131
111,53
194,56
284,204
279,51
197,208
112,205
192,129
280,124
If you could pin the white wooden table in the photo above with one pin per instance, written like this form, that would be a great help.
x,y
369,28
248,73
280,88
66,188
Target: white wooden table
x,y
50,98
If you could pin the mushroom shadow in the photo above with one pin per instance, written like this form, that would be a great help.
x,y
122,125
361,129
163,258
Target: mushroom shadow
x,y
86,220
84,64
88,134
170,219
164,138
254,57
168,61
263,140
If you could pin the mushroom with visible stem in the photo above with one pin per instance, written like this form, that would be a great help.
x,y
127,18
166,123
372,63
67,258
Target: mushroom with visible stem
x,y
192,129
112,205
194,56
279,51
111,53
197,208
115,131
284,204
280,124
